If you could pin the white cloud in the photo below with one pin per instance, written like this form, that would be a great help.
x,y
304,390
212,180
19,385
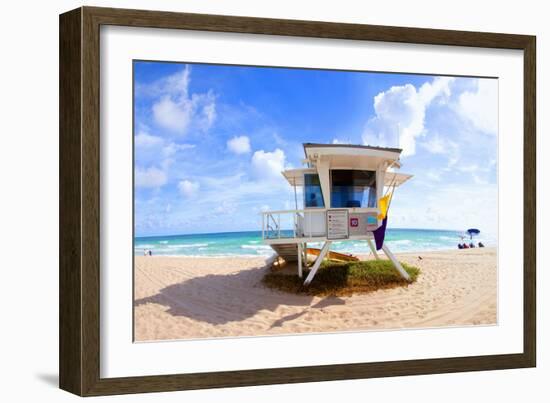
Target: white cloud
x,y
174,84
434,175
268,165
454,207
239,145
480,107
226,208
438,87
435,145
441,146
471,168
173,115
146,140
279,140
149,178
188,188
177,110
400,112
479,173
478,179
209,113
171,148
153,150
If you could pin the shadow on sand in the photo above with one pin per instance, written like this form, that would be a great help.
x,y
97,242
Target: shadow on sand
x,y
324,303
223,298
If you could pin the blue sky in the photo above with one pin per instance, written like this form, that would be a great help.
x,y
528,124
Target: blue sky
x,y
210,142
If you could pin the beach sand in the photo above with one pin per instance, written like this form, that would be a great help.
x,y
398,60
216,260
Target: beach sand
x,y
183,298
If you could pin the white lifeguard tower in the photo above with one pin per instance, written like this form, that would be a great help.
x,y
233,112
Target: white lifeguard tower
x,y
341,185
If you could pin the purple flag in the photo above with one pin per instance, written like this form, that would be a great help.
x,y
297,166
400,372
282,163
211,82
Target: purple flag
x,y
380,233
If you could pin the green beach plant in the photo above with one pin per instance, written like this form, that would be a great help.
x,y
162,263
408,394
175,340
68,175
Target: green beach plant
x,y
339,278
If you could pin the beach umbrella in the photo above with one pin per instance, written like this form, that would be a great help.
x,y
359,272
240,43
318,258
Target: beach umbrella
x,y
472,232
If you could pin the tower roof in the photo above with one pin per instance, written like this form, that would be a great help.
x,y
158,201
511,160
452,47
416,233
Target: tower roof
x,y
350,146
350,156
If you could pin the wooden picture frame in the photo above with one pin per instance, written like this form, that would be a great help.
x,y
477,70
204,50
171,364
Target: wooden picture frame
x,y
79,348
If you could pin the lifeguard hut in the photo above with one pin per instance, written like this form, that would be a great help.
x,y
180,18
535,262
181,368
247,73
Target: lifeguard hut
x,y
342,186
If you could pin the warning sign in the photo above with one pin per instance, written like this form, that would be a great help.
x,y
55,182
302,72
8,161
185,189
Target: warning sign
x,y
337,224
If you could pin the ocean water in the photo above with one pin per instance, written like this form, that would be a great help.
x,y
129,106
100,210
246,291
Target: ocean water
x,y
248,244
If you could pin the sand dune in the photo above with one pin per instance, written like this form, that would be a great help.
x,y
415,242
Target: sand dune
x,y
180,298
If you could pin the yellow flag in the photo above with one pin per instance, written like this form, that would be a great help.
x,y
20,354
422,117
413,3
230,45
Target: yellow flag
x,y
383,205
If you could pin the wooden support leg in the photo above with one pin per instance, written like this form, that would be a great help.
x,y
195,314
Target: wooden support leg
x,y
373,249
396,263
317,263
300,257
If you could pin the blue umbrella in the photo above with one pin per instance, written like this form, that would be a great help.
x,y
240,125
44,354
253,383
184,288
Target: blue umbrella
x,y
472,232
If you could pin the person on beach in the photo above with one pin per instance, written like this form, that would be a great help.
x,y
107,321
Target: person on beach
x,y
150,252
480,244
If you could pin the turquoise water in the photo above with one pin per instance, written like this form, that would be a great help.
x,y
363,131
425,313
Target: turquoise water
x,y
250,243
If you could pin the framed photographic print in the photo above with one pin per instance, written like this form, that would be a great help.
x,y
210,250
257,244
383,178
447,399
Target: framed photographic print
x,y
249,201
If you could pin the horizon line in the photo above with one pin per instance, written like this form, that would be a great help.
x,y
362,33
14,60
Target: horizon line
x,y
235,232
